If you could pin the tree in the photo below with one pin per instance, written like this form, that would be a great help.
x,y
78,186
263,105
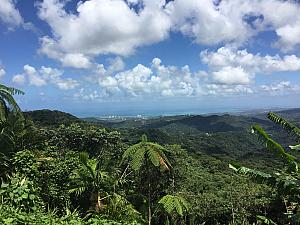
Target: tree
x,y
148,154
286,182
92,180
7,136
7,102
173,204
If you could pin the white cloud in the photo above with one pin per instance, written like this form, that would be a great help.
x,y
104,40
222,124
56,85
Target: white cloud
x,y
208,23
54,76
76,60
119,27
232,66
33,77
19,79
232,75
226,56
116,64
156,80
225,89
235,21
2,73
102,27
279,87
44,76
9,14
52,50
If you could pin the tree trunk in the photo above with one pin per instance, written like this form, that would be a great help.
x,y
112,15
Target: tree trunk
x,y
96,201
149,198
149,209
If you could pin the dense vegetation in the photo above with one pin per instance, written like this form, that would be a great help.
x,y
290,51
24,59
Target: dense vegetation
x,y
58,169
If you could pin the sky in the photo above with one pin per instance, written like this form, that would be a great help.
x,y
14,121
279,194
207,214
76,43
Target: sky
x,y
128,57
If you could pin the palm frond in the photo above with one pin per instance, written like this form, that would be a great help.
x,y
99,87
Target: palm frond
x,y
79,190
11,90
289,127
285,184
272,145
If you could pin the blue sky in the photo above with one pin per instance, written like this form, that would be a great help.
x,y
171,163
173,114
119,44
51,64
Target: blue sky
x,y
99,57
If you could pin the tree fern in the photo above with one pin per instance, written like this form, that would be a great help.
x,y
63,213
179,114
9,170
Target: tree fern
x,y
144,150
172,203
147,153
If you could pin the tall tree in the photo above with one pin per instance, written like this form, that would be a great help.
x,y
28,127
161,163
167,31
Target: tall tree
x,y
148,154
7,137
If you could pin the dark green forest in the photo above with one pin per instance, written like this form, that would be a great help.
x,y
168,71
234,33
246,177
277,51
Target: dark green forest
x,y
56,168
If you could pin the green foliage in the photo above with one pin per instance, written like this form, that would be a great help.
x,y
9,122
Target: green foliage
x,y
78,137
265,220
144,150
7,102
12,216
20,192
54,174
120,209
51,118
91,179
286,182
289,127
25,163
172,203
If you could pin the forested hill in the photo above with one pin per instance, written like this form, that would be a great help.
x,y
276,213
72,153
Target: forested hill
x,y
207,124
223,136
68,163
51,117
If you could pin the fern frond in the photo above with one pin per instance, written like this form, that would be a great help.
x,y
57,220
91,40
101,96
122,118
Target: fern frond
x,y
153,156
138,158
78,190
172,203
130,151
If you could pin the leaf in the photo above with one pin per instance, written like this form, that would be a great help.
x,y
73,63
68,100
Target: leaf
x,y
291,128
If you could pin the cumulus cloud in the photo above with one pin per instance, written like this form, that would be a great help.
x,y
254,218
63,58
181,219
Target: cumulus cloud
x,y
225,89
233,66
33,77
19,79
209,23
77,60
278,87
43,76
232,75
116,64
102,27
119,27
9,15
235,21
2,73
156,80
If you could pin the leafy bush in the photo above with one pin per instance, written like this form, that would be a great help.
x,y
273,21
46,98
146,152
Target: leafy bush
x,y
21,193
